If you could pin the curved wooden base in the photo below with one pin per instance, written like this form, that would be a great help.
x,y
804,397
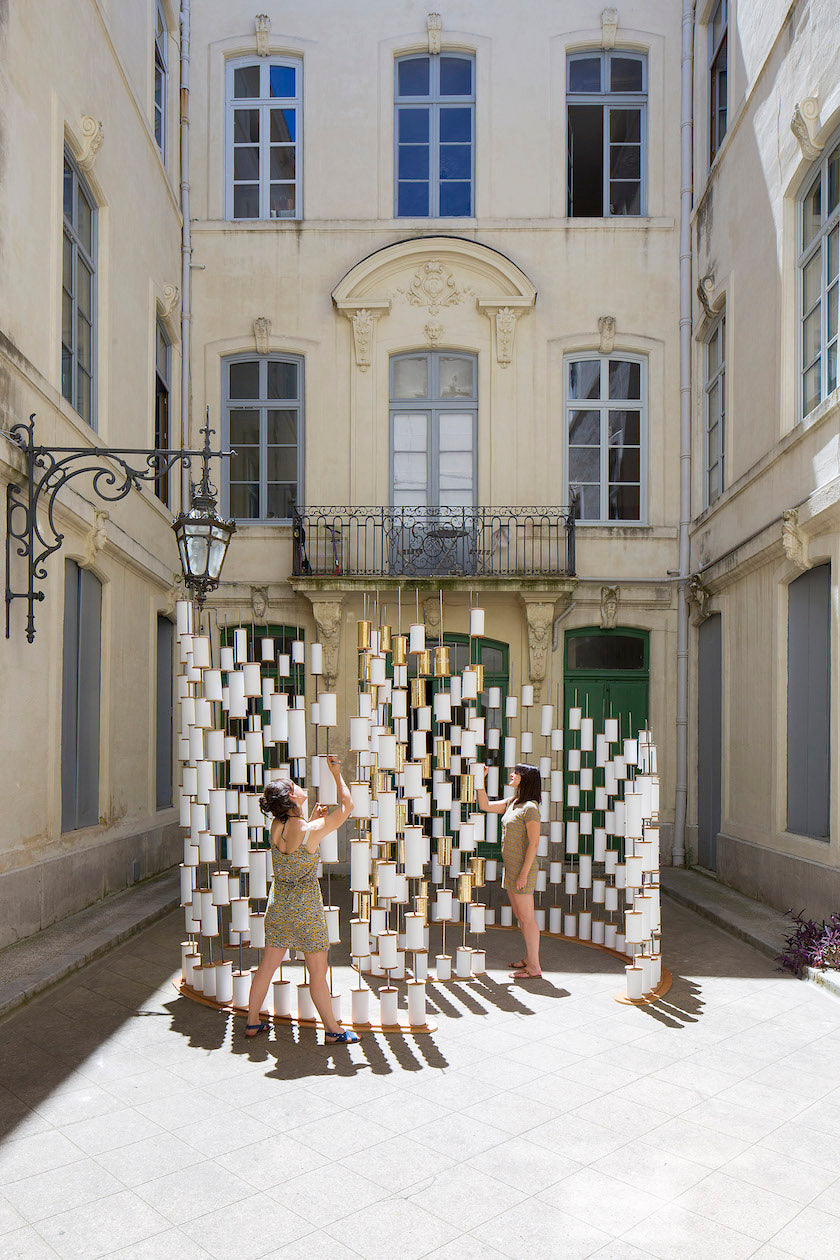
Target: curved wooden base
x,y
403,1027
654,995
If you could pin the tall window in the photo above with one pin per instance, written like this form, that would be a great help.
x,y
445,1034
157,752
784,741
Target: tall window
x,y
808,703
434,127
264,426
80,698
161,79
717,77
607,120
78,295
162,371
820,218
263,139
606,401
714,410
434,412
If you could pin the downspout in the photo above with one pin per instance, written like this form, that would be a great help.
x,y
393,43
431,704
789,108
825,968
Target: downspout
x,y
687,89
186,248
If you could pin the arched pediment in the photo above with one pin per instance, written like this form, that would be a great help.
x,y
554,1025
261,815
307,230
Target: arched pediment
x,y
432,275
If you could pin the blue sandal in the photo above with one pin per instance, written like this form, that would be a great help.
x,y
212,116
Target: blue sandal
x,y
262,1026
343,1038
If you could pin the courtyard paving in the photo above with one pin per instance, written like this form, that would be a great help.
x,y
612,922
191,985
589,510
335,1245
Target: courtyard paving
x,y
538,1120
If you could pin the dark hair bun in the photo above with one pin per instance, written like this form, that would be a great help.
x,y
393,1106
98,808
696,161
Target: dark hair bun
x,y
277,799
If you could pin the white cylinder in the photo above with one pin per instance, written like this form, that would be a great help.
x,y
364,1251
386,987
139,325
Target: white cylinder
x,y
239,849
191,961
417,638
476,622
555,872
256,927
585,871
387,752
555,919
442,706
476,920
359,734
238,768
387,815
510,751
633,872
572,836
331,916
359,865
463,962
239,914
557,785
329,847
443,967
557,739
585,925
527,742
316,658
224,982
415,852
633,815
635,982
387,950
571,883
296,719
634,927
359,937
359,1002
360,792
305,1005
469,684
328,705
387,881
443,903
539,916
281,996
187,883
388,997
209,920
570,925
416,1003
413,772
220,883
546,719
241,988
506,916
217,814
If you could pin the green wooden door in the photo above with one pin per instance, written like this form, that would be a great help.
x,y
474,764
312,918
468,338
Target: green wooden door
x,y
607,675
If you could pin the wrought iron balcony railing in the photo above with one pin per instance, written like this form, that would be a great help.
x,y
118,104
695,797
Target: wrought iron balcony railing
x,y
434,542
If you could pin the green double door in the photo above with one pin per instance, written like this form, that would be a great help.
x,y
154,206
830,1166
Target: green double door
x,y
606,674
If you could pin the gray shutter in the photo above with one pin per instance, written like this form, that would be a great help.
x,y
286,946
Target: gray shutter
x,y
809,685
163,714
709,669
90,639
69,695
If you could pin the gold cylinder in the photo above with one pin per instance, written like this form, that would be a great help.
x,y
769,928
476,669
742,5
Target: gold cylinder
x,y
363,634
400,844
426,763
424,663
364,667
479,678
385,638
465,888
424,888
401,826
477,868
421,906
400,758
443,754
377,783
364,906
399,648
418,693
467,789
442,662
444,850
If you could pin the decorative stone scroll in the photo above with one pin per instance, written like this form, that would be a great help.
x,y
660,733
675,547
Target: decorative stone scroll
x,y
609,27
540,618
262,28
700,595
804,124
610,596
434,286
327,613
91,143
606,333
434,27
794,542
262,334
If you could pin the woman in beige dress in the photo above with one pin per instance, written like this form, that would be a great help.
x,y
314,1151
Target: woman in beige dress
x,y
520,812
294,916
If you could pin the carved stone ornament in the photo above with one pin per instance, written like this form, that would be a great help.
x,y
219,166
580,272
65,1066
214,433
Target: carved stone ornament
x,y
434,287
609,27
177,590
804,124
431,618
540,618
328,624
700,594
705,292
434,332
259,602
434,26
171,300
505,332
606,332
96,539
793,540
610,596
262,26
262,334
92,136
363,322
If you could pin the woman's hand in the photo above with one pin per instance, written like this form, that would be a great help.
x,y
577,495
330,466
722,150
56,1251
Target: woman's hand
x,y
522,880
320,811
334,766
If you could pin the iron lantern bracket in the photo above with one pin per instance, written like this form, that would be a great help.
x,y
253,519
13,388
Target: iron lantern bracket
x,y
31,531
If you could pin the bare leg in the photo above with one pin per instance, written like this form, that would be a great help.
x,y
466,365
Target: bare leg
x,y
320,990
261,979
523,908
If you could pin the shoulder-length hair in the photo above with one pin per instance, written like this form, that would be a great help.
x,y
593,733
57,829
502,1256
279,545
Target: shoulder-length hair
x,y
530,785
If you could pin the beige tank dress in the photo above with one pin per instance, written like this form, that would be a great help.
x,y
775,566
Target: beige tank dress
x,y
515,844
294,916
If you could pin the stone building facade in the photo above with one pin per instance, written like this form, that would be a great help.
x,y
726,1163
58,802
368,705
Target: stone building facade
x,y
434,289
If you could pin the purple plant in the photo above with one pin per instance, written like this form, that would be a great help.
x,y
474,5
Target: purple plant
x,y
811,944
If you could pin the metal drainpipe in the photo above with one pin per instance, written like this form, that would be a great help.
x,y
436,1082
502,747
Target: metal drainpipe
x,y
687,87
186,248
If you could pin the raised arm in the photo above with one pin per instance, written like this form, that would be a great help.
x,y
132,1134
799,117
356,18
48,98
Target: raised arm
x,y
322,826
490,807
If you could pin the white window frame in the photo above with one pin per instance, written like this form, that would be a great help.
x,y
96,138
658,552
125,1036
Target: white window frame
x,y
717,378
161,67
262,404
819,244
433,406
604,405
609,100
264,103
433,102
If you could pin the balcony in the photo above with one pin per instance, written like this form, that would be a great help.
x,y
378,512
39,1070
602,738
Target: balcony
x,y
432,542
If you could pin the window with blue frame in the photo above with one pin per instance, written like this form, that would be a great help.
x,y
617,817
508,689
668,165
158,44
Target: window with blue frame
x,y
606,98
434,130
263,135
